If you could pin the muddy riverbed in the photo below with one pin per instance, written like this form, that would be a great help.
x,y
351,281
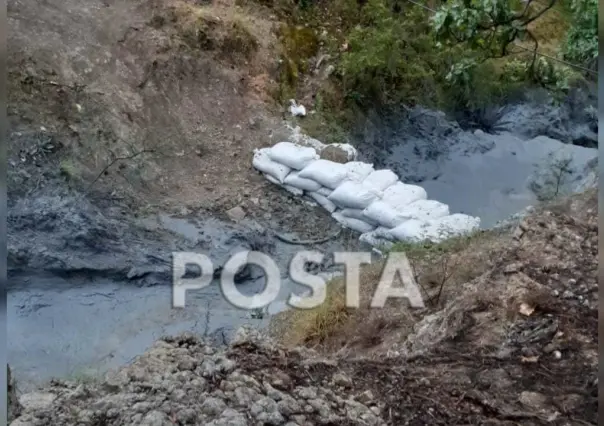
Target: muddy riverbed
x,y
490,175
89,292
90,287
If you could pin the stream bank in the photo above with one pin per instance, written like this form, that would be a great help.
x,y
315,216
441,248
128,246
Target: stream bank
x,y
89,286
89,291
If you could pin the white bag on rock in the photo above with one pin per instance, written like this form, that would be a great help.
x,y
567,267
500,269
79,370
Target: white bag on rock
x,y
400,195
293,179
326,192
358,171
384,233
327,173
323,201
384,214
381,179
263,163
291,155
425,210
272,179
354,224
293,190
353,195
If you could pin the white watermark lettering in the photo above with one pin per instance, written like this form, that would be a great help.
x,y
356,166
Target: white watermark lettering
x,y
271,273
352,262
316,283
397,263
180,284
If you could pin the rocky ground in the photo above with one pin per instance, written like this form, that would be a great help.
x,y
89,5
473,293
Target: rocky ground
x,y
516,345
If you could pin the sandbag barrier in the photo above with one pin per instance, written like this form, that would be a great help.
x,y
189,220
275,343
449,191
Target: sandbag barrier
x,y
374,203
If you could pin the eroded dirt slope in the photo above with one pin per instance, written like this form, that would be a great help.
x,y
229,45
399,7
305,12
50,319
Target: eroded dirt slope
x,y
177,89
517,345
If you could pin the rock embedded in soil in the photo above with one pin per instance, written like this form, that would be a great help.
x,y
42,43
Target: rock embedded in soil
x,y
236,214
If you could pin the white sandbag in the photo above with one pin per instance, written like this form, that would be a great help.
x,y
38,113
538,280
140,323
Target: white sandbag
x,y
272,179
400,195
413,230
425,210
295,191
384,214
353,195
452,225
381,179
323,201
327,173
291,155
358,171
375,240
357,214
354,224
383,232
436,230
263,163
390,217
293,179
326,192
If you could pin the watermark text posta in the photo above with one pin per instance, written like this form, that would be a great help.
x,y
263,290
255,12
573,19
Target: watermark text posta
x,y
396,264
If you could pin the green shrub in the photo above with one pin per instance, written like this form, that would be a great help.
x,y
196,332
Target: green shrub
x,y
391,57
582,38
388,52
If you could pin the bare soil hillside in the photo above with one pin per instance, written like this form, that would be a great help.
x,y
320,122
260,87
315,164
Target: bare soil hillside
x,y
159,103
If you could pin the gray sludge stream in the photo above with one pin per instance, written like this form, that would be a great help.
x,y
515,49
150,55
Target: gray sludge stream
x,y
89,291
88,294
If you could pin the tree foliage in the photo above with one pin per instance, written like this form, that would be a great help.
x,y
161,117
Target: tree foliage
x,y
388,52
488,27
582,38
391,56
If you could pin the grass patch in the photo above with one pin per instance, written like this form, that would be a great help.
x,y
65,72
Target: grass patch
x,y
68,169
427,249
204,28
314,326
439,270
298,45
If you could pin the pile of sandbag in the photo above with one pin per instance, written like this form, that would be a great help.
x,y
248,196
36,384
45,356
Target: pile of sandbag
x,y
373,202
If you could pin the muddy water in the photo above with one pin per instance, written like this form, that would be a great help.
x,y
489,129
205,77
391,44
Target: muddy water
x,y
90,290
82,318
481,174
